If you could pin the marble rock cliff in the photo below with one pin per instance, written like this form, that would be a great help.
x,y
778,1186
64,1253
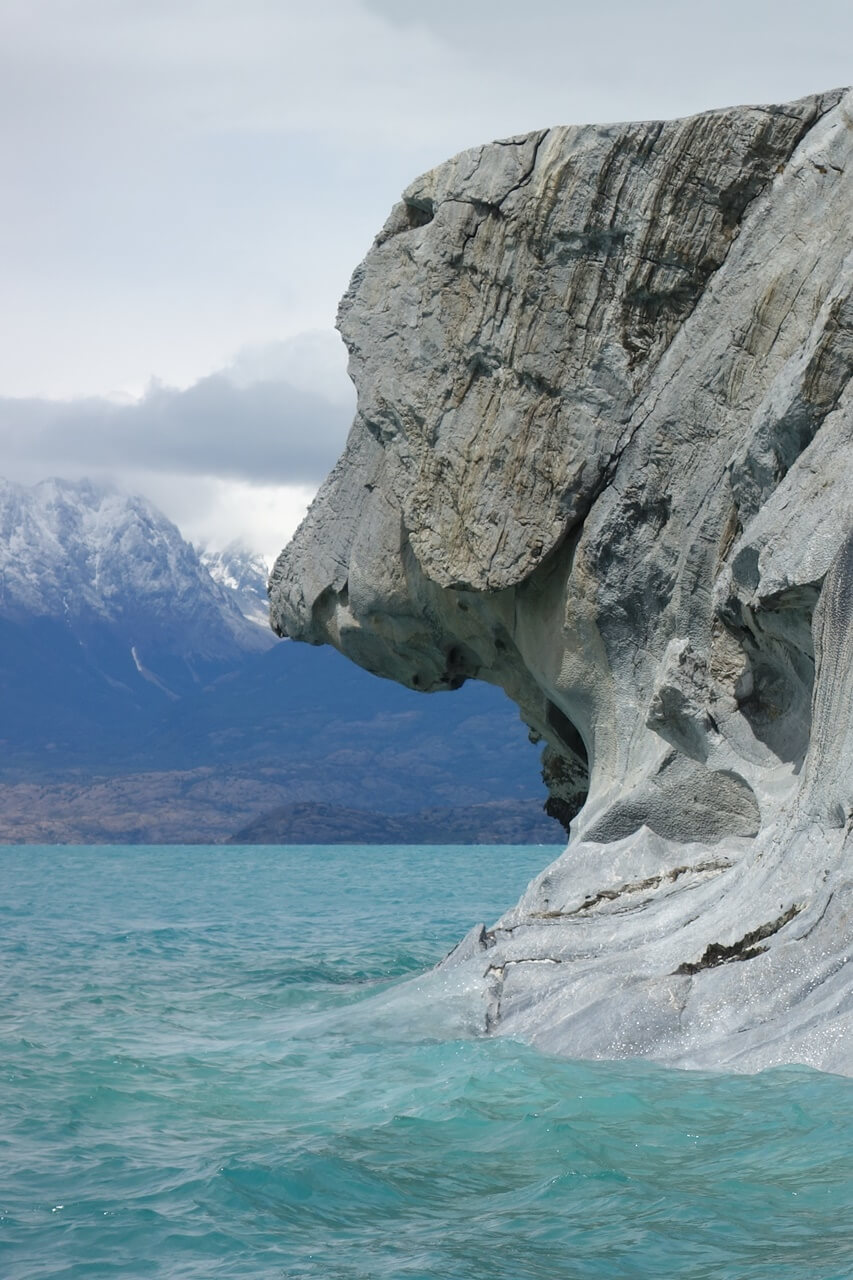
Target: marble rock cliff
x,y
603,457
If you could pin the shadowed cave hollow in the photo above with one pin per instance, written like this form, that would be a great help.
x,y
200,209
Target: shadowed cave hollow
x,y
565,768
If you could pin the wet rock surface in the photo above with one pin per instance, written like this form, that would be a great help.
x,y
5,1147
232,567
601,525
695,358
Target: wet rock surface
x,y
602,458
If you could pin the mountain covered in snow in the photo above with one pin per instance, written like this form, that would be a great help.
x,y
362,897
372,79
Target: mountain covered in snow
x,y
72,549
106,613
96,559
243,574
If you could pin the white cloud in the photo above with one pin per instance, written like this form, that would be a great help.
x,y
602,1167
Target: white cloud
x,y
183,179
226,424
210,511
618,59
312,362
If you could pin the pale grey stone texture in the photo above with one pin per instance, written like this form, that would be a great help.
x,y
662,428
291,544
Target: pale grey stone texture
x,y
603,457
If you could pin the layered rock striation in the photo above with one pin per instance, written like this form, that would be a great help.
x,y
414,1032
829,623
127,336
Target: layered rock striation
x,y
603,457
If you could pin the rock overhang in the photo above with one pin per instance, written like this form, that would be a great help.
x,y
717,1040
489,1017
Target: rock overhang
x,y
602,457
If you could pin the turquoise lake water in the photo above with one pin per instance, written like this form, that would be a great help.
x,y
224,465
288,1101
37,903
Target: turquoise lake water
x,y
223,1063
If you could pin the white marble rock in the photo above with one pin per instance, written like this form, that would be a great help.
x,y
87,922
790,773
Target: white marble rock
x,y
603,457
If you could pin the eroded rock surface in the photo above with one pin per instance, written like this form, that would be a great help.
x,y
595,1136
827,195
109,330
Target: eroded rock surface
x,y
603,457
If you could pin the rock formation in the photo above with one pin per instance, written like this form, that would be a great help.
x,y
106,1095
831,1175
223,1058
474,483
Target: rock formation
x,y
603,457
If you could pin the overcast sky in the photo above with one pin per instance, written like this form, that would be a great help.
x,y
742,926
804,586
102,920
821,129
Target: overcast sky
x,y
189,183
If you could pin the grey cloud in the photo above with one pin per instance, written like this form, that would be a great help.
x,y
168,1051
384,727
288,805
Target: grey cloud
x,y
267,432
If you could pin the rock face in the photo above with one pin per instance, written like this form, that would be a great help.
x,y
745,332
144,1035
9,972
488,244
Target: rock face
x,y
603,457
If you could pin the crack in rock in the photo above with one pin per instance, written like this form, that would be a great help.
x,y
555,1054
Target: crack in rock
x,y
746,948
636,886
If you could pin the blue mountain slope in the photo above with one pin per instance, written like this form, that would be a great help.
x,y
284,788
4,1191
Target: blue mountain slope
x,y
329,725
107,617
121,657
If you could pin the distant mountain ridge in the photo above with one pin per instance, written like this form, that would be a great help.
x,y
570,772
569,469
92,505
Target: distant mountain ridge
x,y
107,615
144,697
76,549
497,822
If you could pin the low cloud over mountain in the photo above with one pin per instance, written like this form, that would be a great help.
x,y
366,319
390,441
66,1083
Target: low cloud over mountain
x,y
236,455
259,431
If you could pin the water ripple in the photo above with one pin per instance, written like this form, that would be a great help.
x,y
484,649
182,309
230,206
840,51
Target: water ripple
x,y
221,1064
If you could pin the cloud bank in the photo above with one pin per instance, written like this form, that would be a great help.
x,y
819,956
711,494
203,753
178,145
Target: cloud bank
x,y
263,433
238,454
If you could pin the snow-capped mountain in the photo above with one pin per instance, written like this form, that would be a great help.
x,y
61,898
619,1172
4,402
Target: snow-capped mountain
x,y
244,573
79,550
104,602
